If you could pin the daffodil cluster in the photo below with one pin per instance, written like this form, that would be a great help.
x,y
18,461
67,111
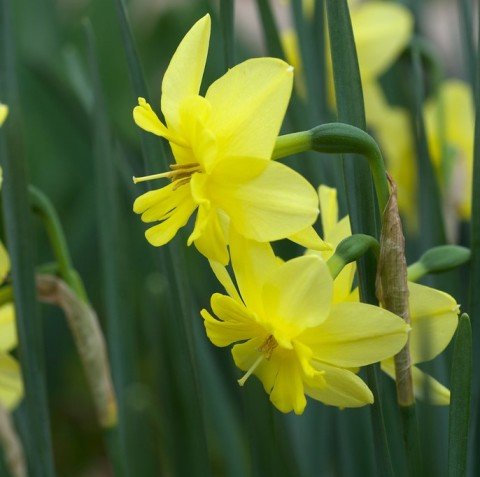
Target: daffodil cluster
x,y
291,324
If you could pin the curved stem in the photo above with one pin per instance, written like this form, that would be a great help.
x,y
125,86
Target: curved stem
x,y
339,138
42,206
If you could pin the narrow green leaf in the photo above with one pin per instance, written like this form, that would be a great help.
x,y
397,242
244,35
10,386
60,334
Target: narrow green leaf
x,y
227,18
359,186
461,382
128,453
315,100
474,296
173,265
468,43
152,153
19,233
432,228
270,30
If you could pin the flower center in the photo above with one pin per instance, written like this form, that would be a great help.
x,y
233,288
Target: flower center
x,y
266,350
180,174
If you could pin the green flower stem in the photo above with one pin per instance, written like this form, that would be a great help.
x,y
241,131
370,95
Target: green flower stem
x,y
350,250
437,260
416,271
339,138
42,206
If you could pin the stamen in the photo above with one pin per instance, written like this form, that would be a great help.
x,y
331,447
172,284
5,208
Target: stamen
x,y
180,182
266,351
254,366
179,172
188,165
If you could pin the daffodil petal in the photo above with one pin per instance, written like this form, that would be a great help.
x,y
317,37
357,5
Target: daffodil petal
x,y
11,384
234,323
185,71
225,279
340,387
328,207
162,233
299,291
275,204
381,30
248,106
376,105
8,329
424,386
309,238
342,285
434,319
211,241
151,198
252,263
164,207
246,354
291,49
4,263
288,394
145,118
356,334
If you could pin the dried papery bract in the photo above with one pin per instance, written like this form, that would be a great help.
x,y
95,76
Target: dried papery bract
x,y
392,288
88,336
11,445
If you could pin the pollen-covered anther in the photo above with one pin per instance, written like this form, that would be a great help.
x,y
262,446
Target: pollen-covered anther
x,y
268,346
265,350
179,173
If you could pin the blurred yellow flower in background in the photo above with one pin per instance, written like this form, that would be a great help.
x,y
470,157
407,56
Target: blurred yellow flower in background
x,y
433,313
222,144
11,386
293,336
3,113
381,30
450,122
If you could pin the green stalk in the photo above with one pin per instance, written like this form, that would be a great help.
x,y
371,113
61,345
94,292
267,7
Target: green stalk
x,y
42,206
432,228
474,296
339,138
20,242
459,417
172,265
125,451
468,44
270,30
227,18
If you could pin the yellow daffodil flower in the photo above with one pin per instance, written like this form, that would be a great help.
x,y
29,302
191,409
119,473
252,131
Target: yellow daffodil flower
x,y
433,313
450,122
290,334
381,30
11,385
3,113
222,144
334,231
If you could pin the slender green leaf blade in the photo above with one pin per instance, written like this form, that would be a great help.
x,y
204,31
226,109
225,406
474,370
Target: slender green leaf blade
x,y
19,233
432,228
358,184
173,265
459,417
227,18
